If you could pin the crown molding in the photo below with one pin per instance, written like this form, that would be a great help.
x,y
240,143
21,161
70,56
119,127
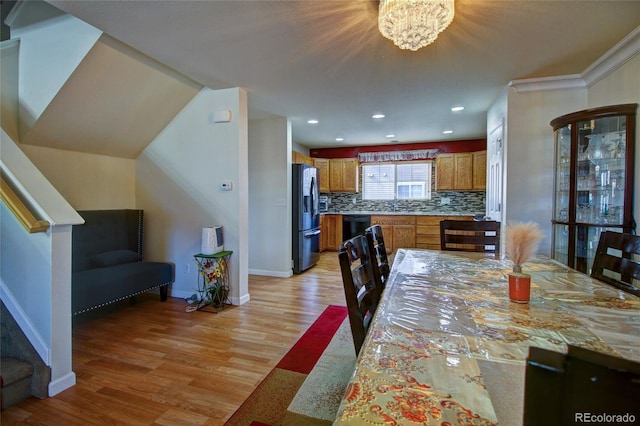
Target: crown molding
x,y
613,59
571,81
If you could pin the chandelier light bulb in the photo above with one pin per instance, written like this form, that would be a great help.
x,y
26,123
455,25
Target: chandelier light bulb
x,y
412,24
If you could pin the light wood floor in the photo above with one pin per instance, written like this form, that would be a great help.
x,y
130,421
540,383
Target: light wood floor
x,y
153,363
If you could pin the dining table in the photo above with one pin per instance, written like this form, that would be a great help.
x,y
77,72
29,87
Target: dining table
x,y
447,345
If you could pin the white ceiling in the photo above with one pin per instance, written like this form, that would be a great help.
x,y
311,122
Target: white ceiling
x,y
326,59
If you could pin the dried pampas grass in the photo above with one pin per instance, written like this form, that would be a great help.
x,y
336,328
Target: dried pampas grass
x,y
521,241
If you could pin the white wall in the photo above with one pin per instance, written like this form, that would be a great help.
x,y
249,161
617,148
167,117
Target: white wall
x,y
9,50
25,262
87,181
270,197
51,46
177,180
295,146
621,87
529,154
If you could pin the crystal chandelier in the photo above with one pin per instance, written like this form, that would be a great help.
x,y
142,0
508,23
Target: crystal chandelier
x,y
412,24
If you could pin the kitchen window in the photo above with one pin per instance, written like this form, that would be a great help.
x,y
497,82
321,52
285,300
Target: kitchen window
x,y
388,181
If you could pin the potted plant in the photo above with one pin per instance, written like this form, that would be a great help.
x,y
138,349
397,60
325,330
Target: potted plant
x,y
521,243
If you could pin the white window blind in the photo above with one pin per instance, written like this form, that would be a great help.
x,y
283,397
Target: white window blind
x,y
388,181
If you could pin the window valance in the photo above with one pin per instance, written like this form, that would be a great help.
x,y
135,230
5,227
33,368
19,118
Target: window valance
x,y
419,154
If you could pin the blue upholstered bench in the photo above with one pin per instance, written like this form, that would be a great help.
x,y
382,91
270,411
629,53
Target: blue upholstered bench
x,y
107,260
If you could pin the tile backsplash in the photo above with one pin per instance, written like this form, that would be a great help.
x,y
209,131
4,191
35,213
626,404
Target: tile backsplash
x,y
459,201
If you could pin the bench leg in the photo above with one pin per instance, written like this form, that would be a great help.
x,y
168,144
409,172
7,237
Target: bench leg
x,y
163,293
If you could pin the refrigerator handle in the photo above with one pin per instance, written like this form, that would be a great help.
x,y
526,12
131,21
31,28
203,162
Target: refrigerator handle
x,y
314,198
312,234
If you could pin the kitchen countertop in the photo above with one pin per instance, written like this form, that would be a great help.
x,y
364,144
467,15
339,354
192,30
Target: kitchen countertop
x,y
403,213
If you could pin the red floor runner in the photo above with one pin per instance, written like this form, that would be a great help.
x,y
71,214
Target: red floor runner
x,y
305,353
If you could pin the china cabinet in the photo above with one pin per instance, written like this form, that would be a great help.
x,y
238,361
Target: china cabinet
x,y
594,153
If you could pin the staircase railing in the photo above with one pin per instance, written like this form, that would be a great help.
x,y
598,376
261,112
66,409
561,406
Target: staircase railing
x,y
20,210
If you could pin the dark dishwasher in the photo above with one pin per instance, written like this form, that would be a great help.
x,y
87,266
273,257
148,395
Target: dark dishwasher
x,y
354,224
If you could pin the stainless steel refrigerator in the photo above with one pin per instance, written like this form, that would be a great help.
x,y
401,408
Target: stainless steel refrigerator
x,y
306,217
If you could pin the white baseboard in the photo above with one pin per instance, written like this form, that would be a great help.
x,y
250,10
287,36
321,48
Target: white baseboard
x,y
63,383
240,301
266,273
181,294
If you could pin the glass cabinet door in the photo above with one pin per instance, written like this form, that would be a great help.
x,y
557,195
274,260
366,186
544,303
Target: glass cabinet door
x,y
561,243
563,174
601,171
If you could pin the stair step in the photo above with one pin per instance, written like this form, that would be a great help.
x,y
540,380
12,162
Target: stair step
x,y
16,381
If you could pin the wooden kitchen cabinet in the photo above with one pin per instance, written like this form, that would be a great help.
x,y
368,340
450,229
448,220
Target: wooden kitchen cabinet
x,y
300,158
428,230
330,232
343,175
399,231
322,164
464,171
480,170
404,236
445,170
463,176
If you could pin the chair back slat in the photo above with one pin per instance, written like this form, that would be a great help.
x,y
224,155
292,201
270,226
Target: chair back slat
x,y
361,291
470,235
617,261
380,261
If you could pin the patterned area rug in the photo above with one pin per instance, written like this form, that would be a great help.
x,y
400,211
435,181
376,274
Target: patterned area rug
x,y
307,385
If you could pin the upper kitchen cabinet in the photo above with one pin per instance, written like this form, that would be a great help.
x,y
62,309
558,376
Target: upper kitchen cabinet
x,y
465,171
343,175
322,164
300,158
445,171
593,184
480,170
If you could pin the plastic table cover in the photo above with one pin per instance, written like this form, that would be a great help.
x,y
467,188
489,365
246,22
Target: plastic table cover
x,y
447,345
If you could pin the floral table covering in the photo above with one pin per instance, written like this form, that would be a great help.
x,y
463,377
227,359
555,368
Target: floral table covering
x,y
445,328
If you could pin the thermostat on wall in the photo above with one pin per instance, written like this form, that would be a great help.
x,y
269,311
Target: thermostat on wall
x,y
226,185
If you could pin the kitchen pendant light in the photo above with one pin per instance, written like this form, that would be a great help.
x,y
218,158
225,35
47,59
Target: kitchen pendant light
x,y
412,24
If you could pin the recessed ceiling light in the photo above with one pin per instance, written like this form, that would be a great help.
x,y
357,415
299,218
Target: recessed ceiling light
x,y
339,139
377,116
390,135
447,132
457,108
312,121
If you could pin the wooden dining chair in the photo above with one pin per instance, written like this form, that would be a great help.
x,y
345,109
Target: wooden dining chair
x,y
361,292
470,235
617,261
378,250
559,385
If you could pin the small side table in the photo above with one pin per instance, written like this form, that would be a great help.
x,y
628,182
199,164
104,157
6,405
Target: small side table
x,y
213,280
